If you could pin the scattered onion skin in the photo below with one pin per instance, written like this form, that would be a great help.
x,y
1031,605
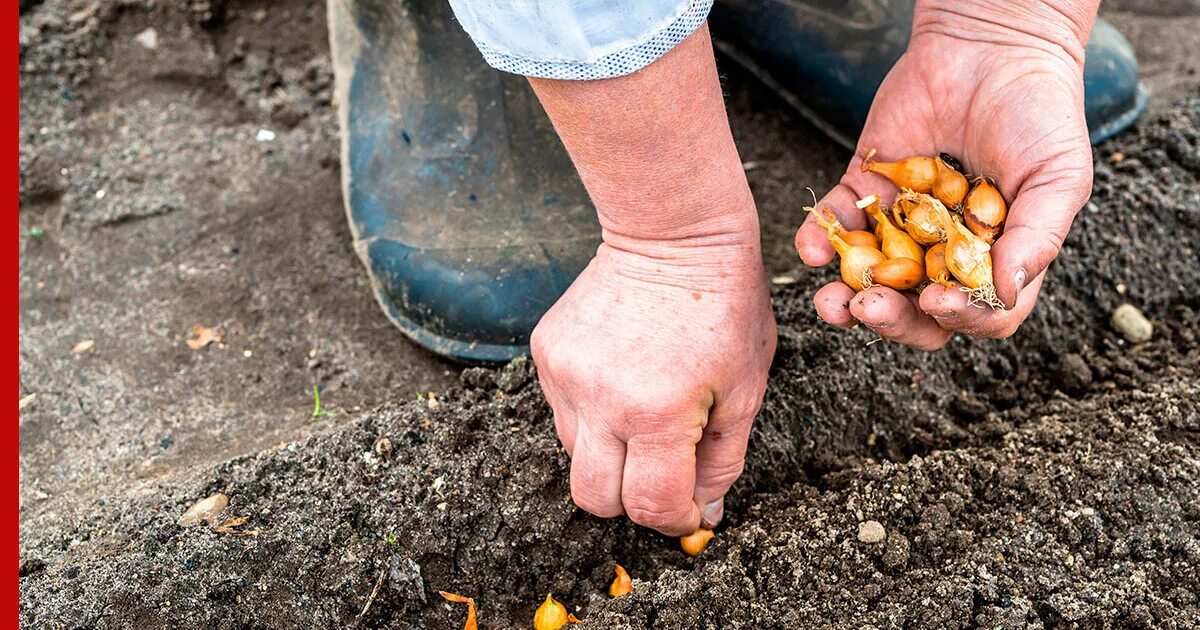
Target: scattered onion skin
x,y
923,216
552,615
918,173
471,623
695,542
935,265
900,274
951,186
621,584
856,260
985,211
896,242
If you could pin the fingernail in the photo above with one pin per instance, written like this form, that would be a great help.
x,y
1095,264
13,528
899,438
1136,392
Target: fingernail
x,y
712,513
1019,280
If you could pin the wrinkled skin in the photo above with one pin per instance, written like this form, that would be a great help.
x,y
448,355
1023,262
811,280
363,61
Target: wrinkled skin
x,y
655,369
1009,105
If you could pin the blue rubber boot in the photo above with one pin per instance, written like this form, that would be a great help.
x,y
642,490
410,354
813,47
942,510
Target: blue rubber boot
x,y
465,207
836,53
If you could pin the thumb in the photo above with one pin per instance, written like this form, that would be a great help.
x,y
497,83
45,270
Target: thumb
x,y
720,457
1037,224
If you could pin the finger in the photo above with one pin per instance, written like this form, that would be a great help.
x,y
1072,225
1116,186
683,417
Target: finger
x,y
1037,223
565,426
564,415
597,468
660,479
721,454
951,308
832,303
897,317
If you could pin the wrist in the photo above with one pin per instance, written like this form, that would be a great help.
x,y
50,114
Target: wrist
x,y
1059,27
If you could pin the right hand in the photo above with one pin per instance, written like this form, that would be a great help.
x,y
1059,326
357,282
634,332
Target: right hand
x,y
655,366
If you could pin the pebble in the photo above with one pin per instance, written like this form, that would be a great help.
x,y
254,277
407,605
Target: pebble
x,y
871,532
205,509
1132,324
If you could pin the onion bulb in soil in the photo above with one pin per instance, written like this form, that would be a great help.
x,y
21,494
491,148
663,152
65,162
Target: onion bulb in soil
x,y
917,173
935,265
923,216
552,615
696,541
951,186
900,274
969,259
621,584
985,211
856,260
896,242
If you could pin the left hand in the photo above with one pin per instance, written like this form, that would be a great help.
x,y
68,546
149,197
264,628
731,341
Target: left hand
x,y
1009,105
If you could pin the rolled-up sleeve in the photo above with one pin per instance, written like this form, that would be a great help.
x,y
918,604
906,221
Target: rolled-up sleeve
x,y
577,39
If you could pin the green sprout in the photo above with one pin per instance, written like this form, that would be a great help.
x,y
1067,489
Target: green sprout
x,y
391,538
317,410
35,232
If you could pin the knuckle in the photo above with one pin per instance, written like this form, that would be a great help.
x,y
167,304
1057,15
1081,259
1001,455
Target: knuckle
x,y
650,513
721,475
588,499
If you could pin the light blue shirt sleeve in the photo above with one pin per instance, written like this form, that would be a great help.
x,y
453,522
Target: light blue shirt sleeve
x,y
577,39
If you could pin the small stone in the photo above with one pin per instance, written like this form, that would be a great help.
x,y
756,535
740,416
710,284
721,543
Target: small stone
x,y
84,346
1132,324
264,135
204,510
147,38
871,532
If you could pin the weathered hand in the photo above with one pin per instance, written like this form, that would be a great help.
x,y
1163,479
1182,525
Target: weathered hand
x,y
998,85
655,363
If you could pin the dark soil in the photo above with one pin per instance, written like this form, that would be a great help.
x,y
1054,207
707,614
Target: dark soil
x,y
1051,480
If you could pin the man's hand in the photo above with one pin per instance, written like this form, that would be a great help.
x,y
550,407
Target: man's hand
x,y
655,360
998,85
655,368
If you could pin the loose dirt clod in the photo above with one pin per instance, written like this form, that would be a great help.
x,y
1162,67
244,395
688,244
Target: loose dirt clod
x,y
871,532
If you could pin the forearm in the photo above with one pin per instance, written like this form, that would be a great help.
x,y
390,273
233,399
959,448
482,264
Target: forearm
x,y
1059,26
655,151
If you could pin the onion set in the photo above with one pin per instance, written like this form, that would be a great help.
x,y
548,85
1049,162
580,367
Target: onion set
x,y
940,230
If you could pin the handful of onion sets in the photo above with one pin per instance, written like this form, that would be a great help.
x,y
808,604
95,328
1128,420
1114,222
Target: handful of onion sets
x,y
940,229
